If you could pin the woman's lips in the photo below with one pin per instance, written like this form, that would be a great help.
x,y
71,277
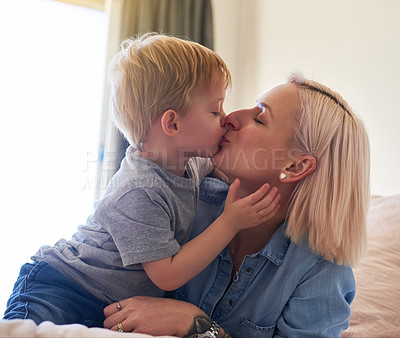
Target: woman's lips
x,y
223,141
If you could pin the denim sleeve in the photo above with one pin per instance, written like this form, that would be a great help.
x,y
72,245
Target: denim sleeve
x,y
320,304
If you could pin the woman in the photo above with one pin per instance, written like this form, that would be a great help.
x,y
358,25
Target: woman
x,y
290,276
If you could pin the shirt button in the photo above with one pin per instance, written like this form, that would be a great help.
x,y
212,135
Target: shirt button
x,y
248,271
229,302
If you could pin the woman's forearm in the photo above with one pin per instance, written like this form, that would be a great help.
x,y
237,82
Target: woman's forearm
x,y
202,324
159,317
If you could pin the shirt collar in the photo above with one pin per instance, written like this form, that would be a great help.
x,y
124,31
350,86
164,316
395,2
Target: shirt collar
x,y
215,191
276,248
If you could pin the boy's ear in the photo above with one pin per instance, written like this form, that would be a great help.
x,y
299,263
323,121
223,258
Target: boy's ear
x,y
298,169
170,123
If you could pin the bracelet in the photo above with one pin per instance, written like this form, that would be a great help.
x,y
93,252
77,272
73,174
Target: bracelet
x,y
212,332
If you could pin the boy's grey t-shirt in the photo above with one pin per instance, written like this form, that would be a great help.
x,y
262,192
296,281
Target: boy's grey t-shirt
x,y
146,214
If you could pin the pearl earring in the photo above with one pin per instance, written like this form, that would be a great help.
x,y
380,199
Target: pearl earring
x,y
282,176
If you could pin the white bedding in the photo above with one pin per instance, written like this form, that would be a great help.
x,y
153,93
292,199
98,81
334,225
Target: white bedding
x,y
28,328
375,310
376,307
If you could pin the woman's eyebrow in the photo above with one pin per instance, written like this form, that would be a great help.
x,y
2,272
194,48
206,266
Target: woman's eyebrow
x,y
263,105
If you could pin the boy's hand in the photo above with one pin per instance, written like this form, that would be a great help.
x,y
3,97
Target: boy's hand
x,y
251,210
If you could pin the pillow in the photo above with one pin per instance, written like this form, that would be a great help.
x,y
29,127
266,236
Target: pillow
x,y
376,306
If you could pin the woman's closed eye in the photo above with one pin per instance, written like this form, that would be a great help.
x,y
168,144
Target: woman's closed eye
x,y
216,113
259,119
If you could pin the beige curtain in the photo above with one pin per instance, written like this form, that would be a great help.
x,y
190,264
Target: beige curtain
x,y
190,19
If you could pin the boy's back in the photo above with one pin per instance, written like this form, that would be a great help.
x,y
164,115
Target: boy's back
x,y
146,214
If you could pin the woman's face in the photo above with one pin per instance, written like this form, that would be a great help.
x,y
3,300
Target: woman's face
x,y
255,147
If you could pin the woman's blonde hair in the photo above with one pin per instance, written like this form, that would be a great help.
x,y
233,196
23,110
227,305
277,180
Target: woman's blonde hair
x,y
153,73
329,206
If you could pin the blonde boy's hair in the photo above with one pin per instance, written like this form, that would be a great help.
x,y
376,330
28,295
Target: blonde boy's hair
x,y
153,73
330,205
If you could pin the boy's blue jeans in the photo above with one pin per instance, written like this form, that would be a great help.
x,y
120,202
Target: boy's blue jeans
x,y
42,293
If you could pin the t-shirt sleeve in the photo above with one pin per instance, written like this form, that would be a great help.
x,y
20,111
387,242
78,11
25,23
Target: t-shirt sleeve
x,y
141,226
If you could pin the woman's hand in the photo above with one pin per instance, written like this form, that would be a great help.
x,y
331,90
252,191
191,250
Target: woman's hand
x,y
152,315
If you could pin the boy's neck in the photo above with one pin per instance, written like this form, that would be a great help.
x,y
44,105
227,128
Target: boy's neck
x,y
167,159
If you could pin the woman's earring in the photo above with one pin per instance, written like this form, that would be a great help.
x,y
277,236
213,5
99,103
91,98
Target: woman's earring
x,y
282,176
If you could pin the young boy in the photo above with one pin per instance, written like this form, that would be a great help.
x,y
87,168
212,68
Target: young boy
x,y
167,99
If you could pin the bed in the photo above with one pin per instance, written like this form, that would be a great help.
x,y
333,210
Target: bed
x,y
376,307
375,310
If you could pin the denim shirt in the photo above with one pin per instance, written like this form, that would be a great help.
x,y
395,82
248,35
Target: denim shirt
x,y
284,290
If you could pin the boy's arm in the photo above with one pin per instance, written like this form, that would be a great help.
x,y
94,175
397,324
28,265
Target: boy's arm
x,y
172,272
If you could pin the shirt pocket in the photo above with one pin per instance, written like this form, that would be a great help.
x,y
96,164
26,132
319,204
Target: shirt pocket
x,y
248,329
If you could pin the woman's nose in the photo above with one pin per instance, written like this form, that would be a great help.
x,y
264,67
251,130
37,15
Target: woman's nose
x,y
232,121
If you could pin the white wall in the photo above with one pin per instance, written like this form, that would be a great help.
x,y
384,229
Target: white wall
x,y
352,46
